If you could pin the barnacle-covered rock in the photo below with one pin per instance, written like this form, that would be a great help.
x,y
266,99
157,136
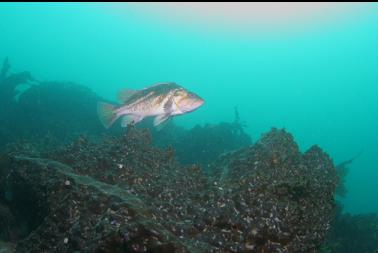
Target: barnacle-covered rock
x,y
282,198
124,195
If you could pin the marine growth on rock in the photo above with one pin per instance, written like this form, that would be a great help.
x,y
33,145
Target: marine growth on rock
x,y
125,195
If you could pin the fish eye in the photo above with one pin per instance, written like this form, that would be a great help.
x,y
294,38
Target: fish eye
x,y
192,96
180,93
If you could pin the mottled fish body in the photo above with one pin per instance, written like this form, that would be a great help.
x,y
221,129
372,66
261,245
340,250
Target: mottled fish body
x,y
162,101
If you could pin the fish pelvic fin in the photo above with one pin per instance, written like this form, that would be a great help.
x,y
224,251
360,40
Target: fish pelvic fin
x,y
106,114
131,119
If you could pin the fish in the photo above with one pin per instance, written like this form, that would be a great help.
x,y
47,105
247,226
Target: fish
x,y
162,101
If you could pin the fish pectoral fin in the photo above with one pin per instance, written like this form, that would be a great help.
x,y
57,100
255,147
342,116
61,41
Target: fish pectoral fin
x,y
163,124
160,119
130,119
168,106
125,95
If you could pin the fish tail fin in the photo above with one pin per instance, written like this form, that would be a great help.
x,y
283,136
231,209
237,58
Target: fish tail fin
x,y
106,114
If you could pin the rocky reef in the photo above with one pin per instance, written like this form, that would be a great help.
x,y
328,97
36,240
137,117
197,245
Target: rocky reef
x,y
44,111
122,194
202,144
61,110
65,186
9,84
350,233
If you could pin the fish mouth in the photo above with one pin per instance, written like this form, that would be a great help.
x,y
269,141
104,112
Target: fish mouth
x,y
195,105
200,102
190,103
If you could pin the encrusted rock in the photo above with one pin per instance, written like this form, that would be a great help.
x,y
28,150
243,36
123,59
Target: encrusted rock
x,y
124,195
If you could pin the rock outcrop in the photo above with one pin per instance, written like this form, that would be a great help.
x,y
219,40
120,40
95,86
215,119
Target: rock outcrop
x,y
124,195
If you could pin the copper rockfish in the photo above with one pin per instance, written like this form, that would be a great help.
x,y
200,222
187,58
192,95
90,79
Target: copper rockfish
x,y
162,101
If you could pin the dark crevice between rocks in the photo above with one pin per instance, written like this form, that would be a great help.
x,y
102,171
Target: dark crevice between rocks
x,y
22,210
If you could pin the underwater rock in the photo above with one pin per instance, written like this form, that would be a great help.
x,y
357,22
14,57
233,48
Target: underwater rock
x,y
124,195
9,82
7,224
203,144
282,200
54,111
6,247
352,233
49,114
58,109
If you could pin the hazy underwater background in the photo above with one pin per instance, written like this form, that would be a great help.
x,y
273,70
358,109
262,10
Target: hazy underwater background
x,y
309,68
316,78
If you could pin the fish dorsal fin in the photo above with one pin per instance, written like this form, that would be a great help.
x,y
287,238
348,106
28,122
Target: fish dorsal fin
x,y
161,84
126,94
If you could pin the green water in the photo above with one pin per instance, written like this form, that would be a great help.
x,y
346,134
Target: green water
x,y
319,82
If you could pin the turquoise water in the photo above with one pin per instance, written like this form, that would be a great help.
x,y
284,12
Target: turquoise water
x,y
319,81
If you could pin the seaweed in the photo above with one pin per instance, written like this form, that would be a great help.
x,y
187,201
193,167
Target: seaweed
x,y
350,232
4,69
10,82
342,170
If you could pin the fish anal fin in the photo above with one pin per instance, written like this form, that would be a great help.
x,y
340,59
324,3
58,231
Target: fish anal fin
x,y
125,94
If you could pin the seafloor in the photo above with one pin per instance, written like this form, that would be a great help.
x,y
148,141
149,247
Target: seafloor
x,y
67,185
